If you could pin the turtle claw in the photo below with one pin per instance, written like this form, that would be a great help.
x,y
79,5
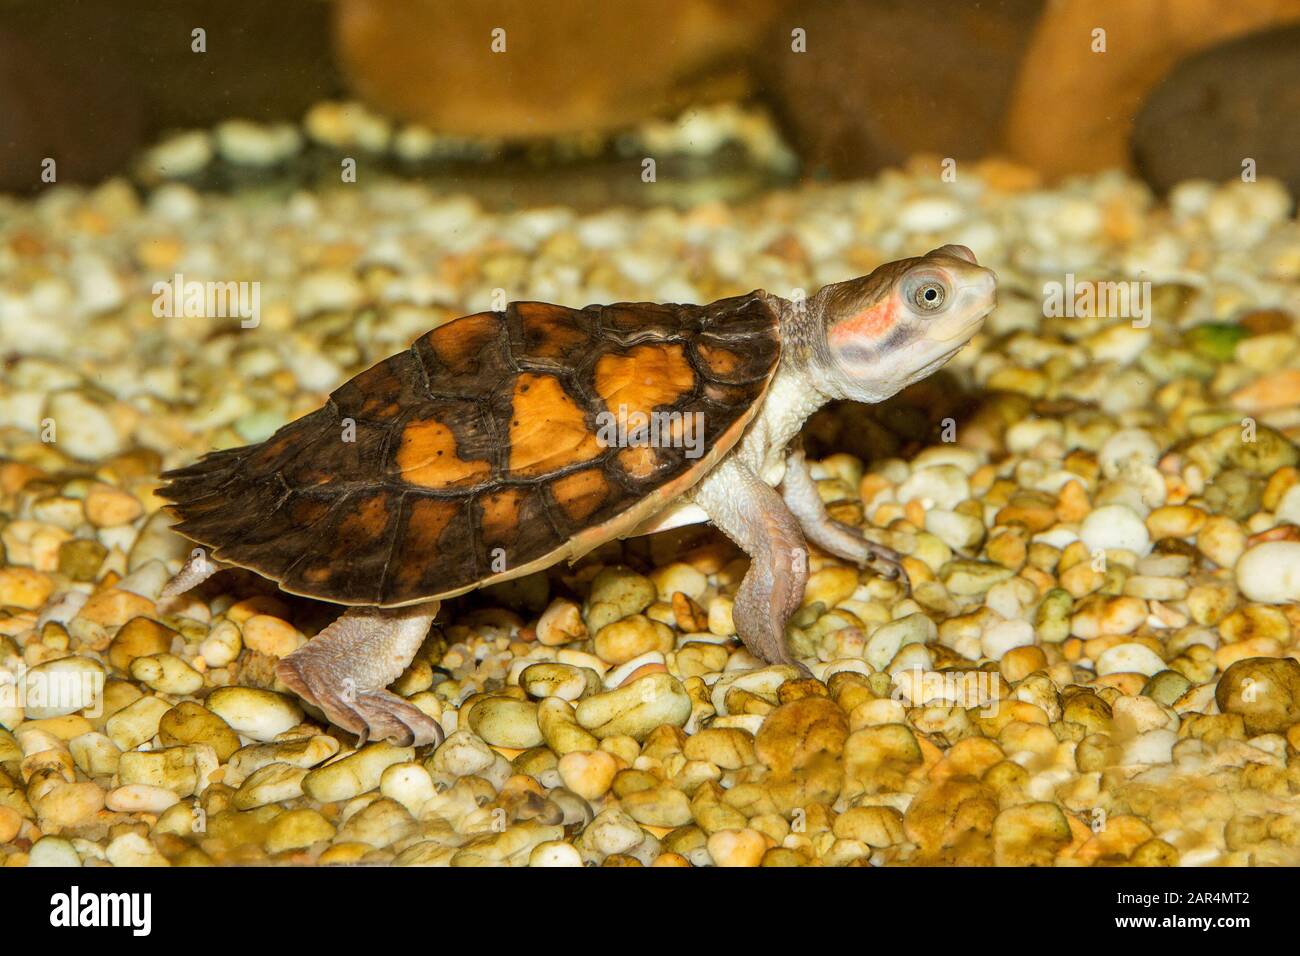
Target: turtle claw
x,y
852,545
385,715
889,565
376,714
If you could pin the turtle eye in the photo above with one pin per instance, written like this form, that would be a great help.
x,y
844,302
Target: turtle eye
x,y
929,296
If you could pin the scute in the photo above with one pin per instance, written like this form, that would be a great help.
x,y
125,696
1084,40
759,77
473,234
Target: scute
x,y
488,449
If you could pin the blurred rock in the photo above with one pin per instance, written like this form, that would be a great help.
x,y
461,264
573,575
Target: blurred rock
x,y
566,68
89,84
1073,109
883,80
77,111
1238,100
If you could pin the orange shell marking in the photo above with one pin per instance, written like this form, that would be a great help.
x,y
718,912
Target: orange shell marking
x,y
427,457
547,428
639,461
426,521
501,514
870,323
581,493
365,524
646,377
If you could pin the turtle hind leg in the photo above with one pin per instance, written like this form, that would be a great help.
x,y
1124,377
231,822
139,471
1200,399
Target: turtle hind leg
x,y
197,569
344,669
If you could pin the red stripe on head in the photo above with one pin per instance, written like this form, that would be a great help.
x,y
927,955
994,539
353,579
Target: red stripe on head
x,y
870,323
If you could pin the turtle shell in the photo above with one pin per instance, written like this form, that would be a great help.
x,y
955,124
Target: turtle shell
x,y
489,449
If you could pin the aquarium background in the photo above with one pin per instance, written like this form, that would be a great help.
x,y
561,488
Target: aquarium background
x,y
214,214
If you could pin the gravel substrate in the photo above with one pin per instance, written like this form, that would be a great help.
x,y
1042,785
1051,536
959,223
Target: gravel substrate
x,y
1098,662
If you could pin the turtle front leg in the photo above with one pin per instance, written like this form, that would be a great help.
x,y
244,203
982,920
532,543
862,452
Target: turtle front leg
x,y
751,514
835,537
344,669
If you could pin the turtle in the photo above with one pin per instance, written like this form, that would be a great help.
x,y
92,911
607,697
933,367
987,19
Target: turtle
x,y
503,442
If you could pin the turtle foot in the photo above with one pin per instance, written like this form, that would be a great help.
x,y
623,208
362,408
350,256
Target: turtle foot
x,y
370,714
344,669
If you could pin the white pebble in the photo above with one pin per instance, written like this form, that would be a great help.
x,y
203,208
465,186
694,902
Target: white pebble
x,y
1288,509
1130,658
1127,444
1003,636
943,486
1270,572
1115,527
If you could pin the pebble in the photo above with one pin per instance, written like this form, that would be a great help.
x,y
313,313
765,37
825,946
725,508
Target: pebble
x,y
409,784
631,637
794,733
107,506
561,623
62,686
222,645
53,851
24,588
167,674
554,853
557,680
635,709
506,722
560,728
613,831
302,752
183,770
83,429
136,723
462,754
273,783
1264,691
357,773
1129,658
889,639
271,636
617,593
743,847
139,637
297,829
255,713
1115,527
1270,572
140,798
134,849
1004,636
588,773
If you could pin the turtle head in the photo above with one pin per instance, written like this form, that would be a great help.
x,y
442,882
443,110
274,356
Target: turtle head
x,y
895,326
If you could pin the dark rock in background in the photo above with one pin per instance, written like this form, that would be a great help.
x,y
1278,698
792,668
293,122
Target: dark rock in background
x,y
79,112
884,80
1237,100
1073,107
88,84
